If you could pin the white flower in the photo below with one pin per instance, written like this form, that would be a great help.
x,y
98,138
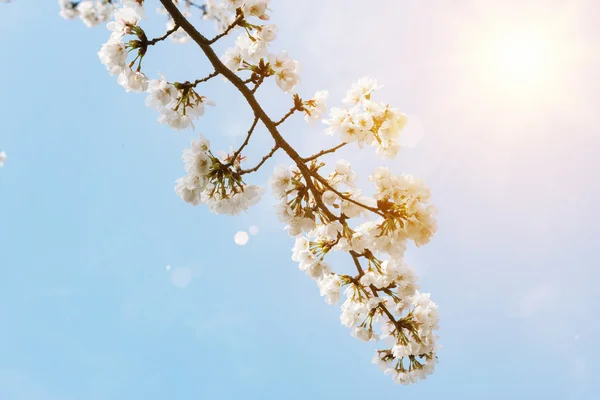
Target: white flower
x,y
133,81
267,33
113,55
361,90
233,58
125,19
217,11
281,180
174,119
190,188
316,107
287,79
160,93
197,161
3,158
196,109
329,197
388,149
286,71
94,12
352,312
233,204
337,117
329,286
364,334
68,9
136,6
256,8
251,49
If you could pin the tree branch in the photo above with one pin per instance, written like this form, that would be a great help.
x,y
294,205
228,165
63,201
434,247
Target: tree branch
x,y
228,29
374,290
323,152
286,116
207,78
324,182
237,153
204,44
264,159
163,37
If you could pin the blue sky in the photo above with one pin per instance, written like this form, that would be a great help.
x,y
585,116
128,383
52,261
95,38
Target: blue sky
x,y
89,218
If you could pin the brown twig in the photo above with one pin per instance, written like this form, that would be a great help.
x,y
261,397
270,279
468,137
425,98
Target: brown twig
x,y
323,152
264,159
205,79
163,37
237,20
237,153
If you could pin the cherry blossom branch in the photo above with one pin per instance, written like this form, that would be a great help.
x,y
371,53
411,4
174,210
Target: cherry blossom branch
x,y
238,83
205,79
324,182
259,112
323,152
374,290
257,83
286,116
316,208
163,37
237,153
236,22
264,159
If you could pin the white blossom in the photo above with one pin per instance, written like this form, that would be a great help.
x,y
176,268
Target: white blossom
x,y
286,71
113,55
316,107
160,93
133,81
124,19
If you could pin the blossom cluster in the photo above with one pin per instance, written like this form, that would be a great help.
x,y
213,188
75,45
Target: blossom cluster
x,y
251,50
324,213
215,182
382,299
91,12
366,121
115,51
3,158
219,12
179,104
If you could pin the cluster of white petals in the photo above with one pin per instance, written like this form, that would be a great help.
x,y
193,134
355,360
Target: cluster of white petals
x,y
366,121
179,104
91,12
315,108
113,54
214,182
251,50
382,300
3,158
324,213
220,12
286,70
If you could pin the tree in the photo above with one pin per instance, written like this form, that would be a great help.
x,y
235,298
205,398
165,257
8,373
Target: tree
x,y
324,211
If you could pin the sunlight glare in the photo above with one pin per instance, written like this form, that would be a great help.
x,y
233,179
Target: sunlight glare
x,y
519,59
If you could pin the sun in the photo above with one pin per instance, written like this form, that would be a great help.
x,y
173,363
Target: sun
x,y
518,59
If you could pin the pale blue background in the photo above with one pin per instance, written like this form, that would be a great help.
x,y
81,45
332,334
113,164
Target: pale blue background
x,y
89,218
